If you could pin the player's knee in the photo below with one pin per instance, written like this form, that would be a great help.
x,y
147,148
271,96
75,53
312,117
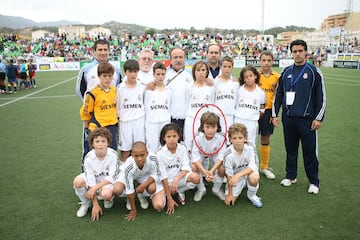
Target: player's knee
x,y
158,205
253,179
106,195
151,188
195,178
78,182
118,188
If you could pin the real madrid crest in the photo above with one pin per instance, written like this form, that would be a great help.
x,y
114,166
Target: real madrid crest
x,y
305,76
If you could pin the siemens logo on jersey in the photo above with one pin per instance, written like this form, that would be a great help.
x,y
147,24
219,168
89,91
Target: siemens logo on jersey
x,y
128,106
107,106
242,165
173,166
102,174
249,106
159,107
196,105
226,96
270,90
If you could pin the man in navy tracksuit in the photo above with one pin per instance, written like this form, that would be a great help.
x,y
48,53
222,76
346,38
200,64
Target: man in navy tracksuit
x,y
301,93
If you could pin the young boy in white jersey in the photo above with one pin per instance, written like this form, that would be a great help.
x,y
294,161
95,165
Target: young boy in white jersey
x,y
226,89
241,167
100,169
145,169
250,102
157,108
175,158
209,145
198,95
130,109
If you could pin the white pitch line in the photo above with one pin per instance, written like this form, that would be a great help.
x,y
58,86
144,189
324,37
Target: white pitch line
x,y
58,96
39,91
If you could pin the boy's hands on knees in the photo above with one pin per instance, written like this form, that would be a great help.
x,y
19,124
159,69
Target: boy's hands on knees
x,y
233,181
91,193
140,188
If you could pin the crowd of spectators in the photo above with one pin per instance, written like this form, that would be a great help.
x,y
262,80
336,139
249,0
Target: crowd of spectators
x,y
128,46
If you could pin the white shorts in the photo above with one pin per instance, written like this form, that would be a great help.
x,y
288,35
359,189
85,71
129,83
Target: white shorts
x,y
237,189
183,181
82,175
206,162
153,135
229,122
188,131
121,178
252,127
130,132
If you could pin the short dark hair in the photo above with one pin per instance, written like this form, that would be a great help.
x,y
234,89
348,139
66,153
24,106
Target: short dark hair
x,y
131,65
159,65
101,41
298,42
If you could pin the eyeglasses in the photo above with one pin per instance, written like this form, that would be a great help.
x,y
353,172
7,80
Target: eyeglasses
x,y
146,58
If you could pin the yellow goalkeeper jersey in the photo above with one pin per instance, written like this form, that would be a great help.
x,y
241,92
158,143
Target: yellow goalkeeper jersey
x,y
268,84
99,107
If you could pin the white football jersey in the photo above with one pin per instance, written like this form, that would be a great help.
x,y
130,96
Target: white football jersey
x,y
174,163
249,104
129,172
199,96
226,95
157,105
130,102
235,163
203,148
97,170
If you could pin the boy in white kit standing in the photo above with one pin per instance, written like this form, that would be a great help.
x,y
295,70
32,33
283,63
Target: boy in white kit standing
x,y
157,108
226,89
130,106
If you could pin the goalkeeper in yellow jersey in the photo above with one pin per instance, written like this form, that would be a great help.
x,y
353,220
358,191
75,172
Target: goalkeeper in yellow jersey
x,y
99,107
268,82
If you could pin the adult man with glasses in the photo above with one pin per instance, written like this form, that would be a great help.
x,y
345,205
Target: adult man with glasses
x,y
146,60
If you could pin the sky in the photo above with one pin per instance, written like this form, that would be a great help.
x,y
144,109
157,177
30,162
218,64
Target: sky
x,y
200,14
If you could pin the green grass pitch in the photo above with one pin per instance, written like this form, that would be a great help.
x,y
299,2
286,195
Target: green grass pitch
x,y
40,152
